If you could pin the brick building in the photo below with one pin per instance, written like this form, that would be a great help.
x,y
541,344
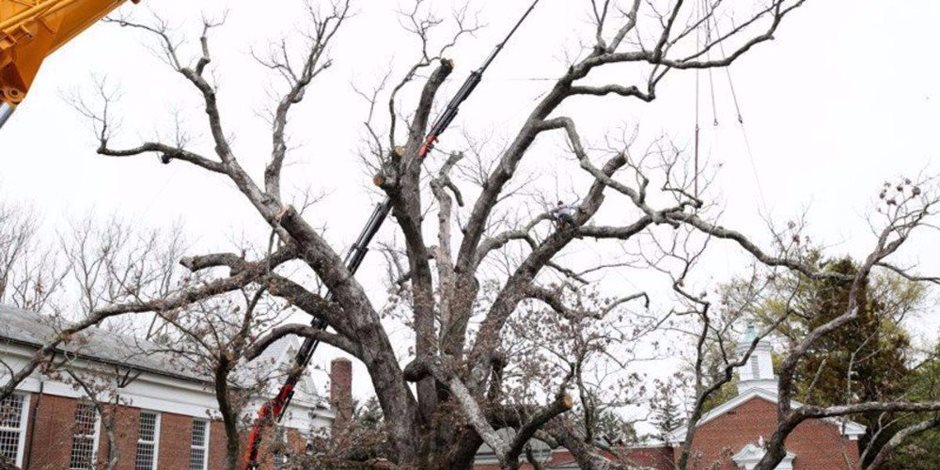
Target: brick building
x,y
166,417
731,436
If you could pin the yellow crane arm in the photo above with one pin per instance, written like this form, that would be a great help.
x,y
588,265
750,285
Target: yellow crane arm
x,y
30,30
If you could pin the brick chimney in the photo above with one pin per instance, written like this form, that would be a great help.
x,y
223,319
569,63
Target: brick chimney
x,y
341,392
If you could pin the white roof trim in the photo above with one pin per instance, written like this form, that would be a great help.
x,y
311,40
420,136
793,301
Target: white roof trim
x,y
748,457
847,427
753,453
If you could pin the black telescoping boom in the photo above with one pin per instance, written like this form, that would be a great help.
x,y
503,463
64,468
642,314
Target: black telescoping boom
x,y
275,408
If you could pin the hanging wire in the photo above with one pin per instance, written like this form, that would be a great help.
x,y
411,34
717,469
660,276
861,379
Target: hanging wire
x,y
737,108
711,83
708,57
734,94
698,44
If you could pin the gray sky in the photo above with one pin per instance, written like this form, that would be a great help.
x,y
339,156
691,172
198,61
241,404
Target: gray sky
x,y
846,97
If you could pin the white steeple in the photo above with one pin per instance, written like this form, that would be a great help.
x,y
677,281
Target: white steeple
x,y
758,372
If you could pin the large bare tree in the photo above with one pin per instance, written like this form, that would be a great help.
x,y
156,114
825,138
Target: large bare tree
x,y
491,250
453,364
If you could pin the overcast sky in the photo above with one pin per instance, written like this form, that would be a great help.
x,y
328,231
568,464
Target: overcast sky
x,y
847,96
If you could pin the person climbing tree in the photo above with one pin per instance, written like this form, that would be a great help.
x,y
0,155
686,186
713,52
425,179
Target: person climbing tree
x,y
565,215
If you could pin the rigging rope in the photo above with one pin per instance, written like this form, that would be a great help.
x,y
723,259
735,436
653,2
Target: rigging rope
x,y
698,44
740,116
708,57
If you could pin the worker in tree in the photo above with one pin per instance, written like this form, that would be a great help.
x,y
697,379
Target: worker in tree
x,y
565,215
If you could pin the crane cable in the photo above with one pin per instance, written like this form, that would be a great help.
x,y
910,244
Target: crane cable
x,y
702,7
712,25
740,116
698,45
708,57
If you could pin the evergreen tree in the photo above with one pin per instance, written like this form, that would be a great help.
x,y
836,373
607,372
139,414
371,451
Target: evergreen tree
x,y
869,360
922,450
866,362
666,410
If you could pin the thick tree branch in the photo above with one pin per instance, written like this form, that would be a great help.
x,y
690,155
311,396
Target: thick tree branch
x,y
562,403
307,331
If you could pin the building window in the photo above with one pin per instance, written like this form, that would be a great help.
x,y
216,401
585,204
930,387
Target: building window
x,y
199,452
148,441
13,411
84,437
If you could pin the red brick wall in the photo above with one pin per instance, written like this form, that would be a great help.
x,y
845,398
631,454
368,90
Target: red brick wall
x,y
52,434
817,444
495,466
51,422
216,445
651,457
126,427
176,434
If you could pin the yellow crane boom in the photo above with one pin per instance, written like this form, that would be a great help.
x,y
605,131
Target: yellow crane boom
x,y
30,30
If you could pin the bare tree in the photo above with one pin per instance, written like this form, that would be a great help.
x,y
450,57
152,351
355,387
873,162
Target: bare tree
x,y
30,275
905,207
572,338
457,361
222,340
453,366
75,278
902,208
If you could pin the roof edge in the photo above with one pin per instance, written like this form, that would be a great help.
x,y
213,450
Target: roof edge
x,y
848,427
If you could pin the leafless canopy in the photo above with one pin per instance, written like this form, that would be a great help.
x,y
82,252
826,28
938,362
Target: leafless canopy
x,y
488,259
